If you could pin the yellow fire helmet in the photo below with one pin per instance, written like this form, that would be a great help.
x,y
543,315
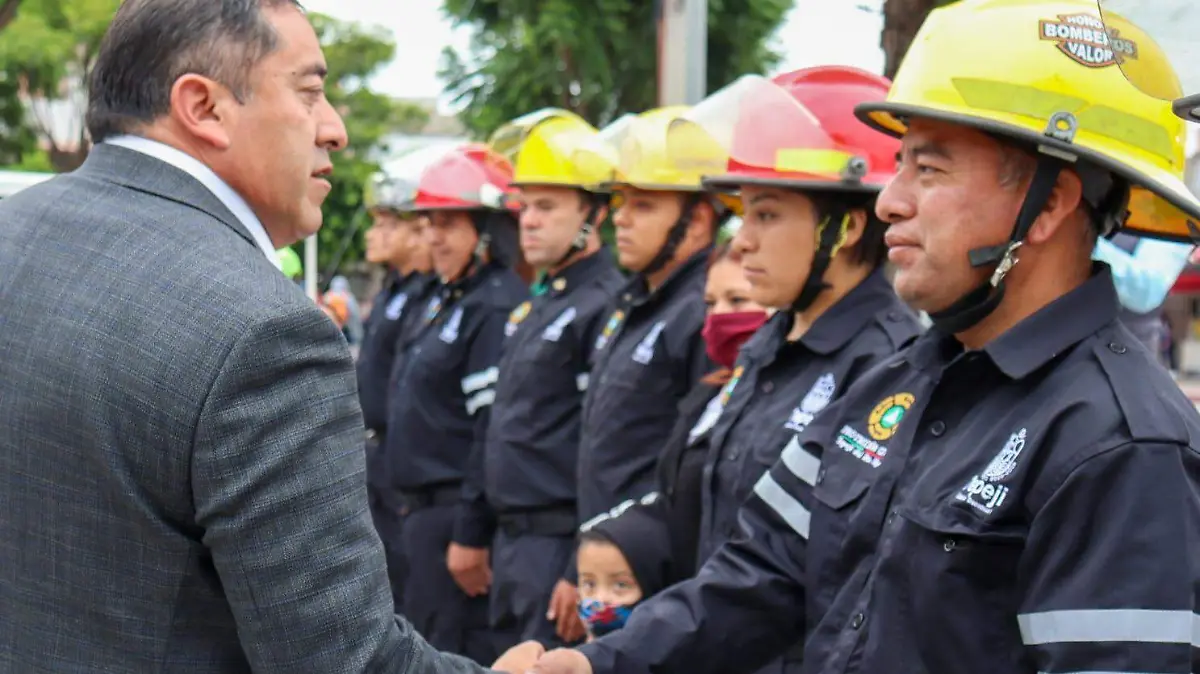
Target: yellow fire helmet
x,y
546,146
645,160
1059,88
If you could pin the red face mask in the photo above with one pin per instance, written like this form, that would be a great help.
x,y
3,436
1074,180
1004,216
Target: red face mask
x,y
724,334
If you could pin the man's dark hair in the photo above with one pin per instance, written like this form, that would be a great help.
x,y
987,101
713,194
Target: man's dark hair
x,y
152,43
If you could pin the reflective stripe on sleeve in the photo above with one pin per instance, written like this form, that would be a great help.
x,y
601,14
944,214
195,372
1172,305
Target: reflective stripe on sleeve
x,y
784,504
802,464
480,400
1110,625
480,380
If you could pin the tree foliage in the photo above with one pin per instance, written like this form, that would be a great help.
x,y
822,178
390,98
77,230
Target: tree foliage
x,y
901,21
595,57
48,49
354,53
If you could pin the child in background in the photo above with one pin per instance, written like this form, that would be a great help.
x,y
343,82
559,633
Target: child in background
x,y
623,559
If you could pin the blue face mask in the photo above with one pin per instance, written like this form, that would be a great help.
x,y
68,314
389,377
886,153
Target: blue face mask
x,y
603,618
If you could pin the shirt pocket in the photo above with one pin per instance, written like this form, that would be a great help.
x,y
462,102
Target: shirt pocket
x,y
838,492
952,558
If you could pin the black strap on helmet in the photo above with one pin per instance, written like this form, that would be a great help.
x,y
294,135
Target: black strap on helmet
x,y
675,236
830,239
580,242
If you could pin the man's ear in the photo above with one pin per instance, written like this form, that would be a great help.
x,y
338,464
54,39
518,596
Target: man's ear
x,y
202,108
1065,199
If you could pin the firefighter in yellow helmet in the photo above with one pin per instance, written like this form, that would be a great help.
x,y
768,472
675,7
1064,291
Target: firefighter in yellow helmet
x,y
648,353
533,434
1017,491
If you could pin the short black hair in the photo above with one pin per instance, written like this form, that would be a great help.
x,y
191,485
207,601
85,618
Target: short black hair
x,y
152,43
871,250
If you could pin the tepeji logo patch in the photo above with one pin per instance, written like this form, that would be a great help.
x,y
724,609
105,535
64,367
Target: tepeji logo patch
x,y
887,415
985,492
817,399
1087,41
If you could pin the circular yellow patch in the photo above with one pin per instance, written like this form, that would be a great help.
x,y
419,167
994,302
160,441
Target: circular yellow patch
x,y
887,415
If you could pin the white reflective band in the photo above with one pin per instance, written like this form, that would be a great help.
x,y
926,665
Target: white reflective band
x,y
782,502
802,464
480,400
480,380
581,381
1130,625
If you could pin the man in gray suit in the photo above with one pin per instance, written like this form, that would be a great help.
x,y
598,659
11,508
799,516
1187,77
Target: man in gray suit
x,y
182,481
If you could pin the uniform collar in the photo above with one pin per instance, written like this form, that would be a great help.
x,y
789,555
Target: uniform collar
x,y
835,328
844,320
579,272
1040,338
638,293
456,290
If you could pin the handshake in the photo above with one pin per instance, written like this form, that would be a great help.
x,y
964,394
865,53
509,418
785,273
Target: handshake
x,y
531,656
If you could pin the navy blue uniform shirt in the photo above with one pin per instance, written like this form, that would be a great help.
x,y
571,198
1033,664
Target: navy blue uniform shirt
x,y
1032,506
533,434
649,355
391,311
779,386
443,387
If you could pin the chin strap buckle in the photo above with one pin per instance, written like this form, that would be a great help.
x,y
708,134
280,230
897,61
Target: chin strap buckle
x,y
1007,262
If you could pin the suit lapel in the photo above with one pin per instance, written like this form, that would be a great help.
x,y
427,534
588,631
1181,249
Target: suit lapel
x,y
151,175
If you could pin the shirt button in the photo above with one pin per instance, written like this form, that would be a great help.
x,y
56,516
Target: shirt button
x,y
949,545
733,455
858,620
820,475
768,387
1116,347
937,428
891,517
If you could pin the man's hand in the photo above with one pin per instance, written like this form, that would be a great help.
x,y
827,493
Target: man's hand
x,y
563,661
563,612
520,658
469,567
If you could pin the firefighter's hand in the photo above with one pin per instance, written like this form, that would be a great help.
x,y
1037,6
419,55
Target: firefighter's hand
x,y
520,658
469,568
563,612
563,661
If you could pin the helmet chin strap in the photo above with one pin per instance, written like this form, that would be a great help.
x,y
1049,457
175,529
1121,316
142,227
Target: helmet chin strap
x,y
830,240
675,236
978,304
580,242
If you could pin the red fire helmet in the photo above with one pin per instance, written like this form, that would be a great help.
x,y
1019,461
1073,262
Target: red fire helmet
x,y
797,130
467,178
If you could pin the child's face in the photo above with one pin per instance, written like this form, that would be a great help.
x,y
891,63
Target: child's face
x,y
604,575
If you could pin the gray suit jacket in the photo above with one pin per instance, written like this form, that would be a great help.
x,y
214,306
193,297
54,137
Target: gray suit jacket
x,y
182,478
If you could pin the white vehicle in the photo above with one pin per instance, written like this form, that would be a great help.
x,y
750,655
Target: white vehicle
x,y
12,182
